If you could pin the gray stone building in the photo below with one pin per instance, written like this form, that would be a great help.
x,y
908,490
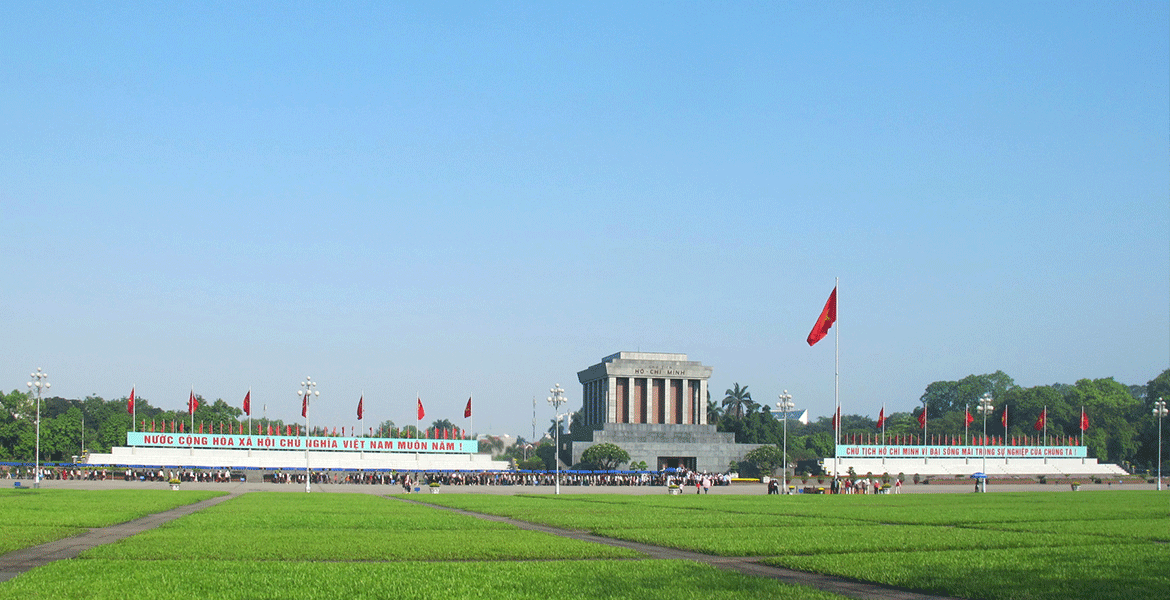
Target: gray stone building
x,y
654,406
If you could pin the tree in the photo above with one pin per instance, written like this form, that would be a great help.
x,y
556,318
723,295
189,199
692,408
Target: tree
x,y
948,396
605,456
440,426
766,458
738,401
547,453
714,413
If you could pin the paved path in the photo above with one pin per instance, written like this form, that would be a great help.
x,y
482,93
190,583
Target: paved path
x,y
745,565
18,561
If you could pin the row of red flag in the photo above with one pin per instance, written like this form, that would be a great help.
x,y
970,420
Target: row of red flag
x,y
176,426
909,439
193,404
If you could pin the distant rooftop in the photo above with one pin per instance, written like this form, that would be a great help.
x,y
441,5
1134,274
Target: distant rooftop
x,y
645,356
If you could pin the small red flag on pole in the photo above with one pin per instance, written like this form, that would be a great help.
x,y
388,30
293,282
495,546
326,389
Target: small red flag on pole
x,y
248,403
359,410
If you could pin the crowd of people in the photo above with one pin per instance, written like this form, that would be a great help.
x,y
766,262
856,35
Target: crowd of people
x,y
683,478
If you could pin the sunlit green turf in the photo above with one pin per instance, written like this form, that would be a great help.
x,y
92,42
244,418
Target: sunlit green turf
x,y
89,508
32,517
1043,545
1091,572
342,527
541,580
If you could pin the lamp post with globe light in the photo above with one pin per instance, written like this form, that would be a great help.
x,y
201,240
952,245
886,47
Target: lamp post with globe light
x,y
985,408
307,391
556,400
38,383
785,405
1160,411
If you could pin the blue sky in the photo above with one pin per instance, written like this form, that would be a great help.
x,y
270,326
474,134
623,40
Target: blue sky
x,y
447,199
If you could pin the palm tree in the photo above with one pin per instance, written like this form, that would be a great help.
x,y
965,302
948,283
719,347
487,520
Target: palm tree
x,y
738,401
714,413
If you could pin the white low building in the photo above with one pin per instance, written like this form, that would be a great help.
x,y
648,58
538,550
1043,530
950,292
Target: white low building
x,y
292,452
994,461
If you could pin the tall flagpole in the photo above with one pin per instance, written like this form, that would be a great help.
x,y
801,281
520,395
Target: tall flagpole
x,y
191,409
837,379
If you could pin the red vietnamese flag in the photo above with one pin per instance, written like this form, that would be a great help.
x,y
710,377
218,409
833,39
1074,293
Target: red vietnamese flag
x,y
192,403
201,427
305,405
969,419
467,409
248,403
1004,418
922,418
825,321
182,427
881,418
1039,426
1084,420
421,413
837,418
359,411
130,402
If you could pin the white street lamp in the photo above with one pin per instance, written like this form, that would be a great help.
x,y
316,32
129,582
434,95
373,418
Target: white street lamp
x,y
785,405
38,383
307,391
1160,411
556,400
985,408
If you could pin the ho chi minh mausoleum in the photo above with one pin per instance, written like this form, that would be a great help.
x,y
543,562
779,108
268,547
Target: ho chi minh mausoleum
x,y
654,406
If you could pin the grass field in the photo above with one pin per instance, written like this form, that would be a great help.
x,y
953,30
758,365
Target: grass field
x,y
32,517
282,545
1043,546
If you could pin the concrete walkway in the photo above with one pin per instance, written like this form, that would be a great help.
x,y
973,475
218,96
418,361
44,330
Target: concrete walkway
x,y
18,561
745,565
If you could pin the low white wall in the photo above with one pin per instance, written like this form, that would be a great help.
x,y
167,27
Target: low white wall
x,y
967,466
286,459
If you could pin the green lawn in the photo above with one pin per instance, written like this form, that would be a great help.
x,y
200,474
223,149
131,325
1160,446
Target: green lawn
x,y
1043,545
512,580
1006,546
30,517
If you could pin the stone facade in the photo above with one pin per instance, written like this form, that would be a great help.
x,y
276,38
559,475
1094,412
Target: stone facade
x,y
654,406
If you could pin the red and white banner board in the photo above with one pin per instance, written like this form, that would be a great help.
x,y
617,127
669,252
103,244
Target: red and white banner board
x,y
286,442
877,451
